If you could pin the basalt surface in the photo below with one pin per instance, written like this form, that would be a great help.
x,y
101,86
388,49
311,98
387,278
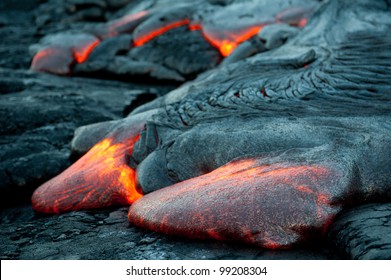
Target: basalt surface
x,y
276,150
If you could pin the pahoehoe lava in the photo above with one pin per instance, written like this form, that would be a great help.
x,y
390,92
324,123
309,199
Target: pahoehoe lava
x,y
286,126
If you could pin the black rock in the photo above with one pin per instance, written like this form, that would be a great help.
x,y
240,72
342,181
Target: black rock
x,y
363,233
318,97
24,235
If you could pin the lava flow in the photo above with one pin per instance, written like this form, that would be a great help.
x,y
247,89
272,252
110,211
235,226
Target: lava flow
x,y
141,40
227,42
58,59
244,200
224,41
67,49
81,53
99,179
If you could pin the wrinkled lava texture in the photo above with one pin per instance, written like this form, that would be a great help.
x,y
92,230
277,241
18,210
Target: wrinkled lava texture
x,y
278,138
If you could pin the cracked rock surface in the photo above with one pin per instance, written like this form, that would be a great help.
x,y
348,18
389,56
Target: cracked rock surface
x,y
363,233
107,235
39,114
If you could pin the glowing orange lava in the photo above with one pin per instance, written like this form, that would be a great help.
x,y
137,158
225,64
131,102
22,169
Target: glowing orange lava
x,y
41,55
227,42
302,22
56,60
81,52
227,47
154,33
270,205
99,179
59,59
195,26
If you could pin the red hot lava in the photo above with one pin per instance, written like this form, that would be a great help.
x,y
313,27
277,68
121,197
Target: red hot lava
x,y
245,200
102,177
58,59
99,179
59,56
141,40
81,53
228,42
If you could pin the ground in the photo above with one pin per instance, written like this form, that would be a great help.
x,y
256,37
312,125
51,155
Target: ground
x,y
39,113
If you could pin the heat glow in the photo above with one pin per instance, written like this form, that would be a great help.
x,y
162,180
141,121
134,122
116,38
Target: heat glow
x,y
226,42
59,59
55,60
159,31
99,179
270,205
81,53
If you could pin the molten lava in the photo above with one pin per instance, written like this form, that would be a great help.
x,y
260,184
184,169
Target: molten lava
x,y
245,200
226,42
99,179
141,40
302,22
58,59
82,52
59,56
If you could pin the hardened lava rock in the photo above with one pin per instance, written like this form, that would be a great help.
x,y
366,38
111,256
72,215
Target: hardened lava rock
x,y
266,150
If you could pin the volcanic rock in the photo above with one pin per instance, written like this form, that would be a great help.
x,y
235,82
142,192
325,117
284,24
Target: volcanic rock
x,y
302,103
363,233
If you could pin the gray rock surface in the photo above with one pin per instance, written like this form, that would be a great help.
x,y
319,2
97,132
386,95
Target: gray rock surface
x,y
40,112
363,233
107,234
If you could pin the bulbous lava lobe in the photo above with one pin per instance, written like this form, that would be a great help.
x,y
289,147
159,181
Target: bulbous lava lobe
x,y
224,27
310,120
273,205
99,179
